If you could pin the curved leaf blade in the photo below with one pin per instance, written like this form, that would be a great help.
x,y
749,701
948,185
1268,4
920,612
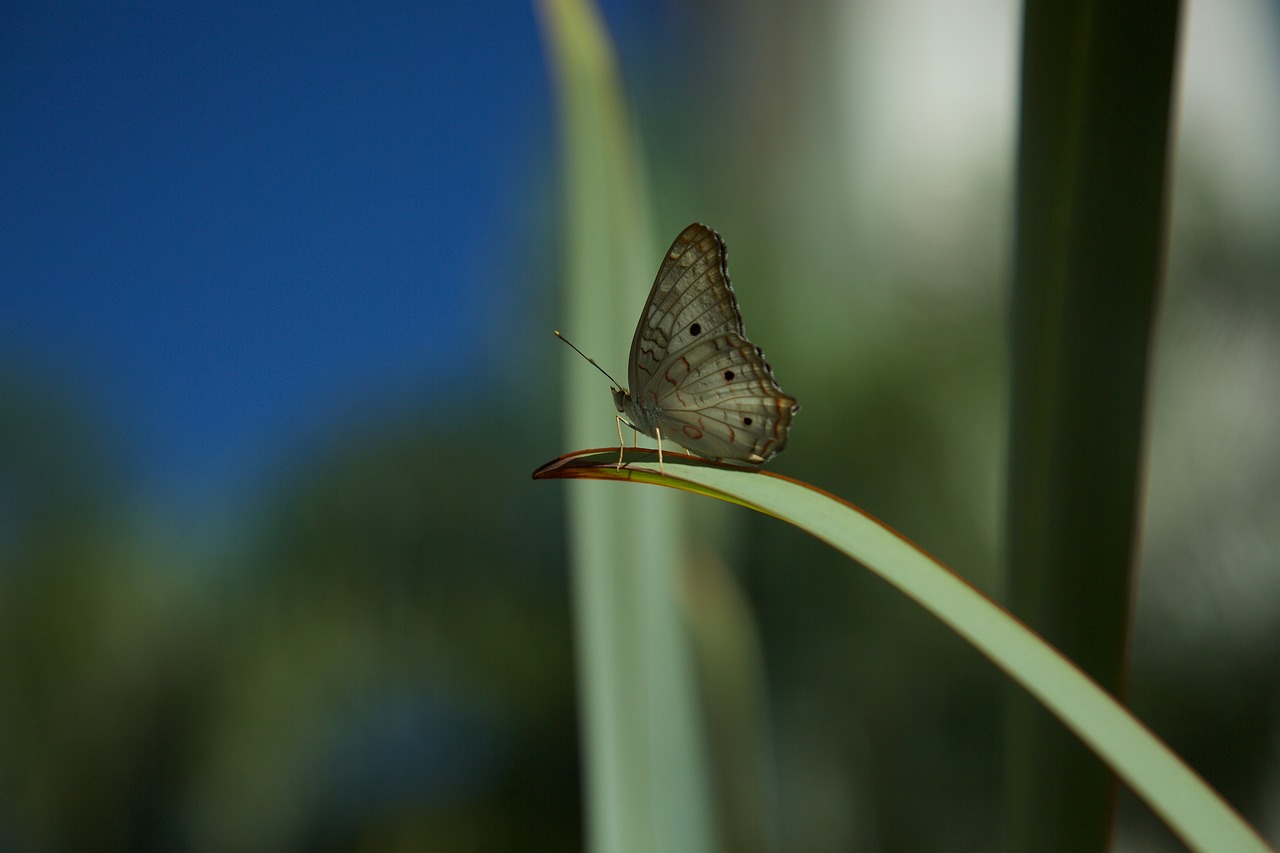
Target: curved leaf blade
x,y
1190,807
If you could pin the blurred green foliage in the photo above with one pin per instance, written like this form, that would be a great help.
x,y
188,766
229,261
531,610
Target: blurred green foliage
x,y
377,658
374,653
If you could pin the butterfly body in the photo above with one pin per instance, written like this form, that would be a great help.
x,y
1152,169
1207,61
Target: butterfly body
x,y
695,377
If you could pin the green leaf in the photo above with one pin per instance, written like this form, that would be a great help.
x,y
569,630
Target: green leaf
x,y
1092,201
1174,791
644,754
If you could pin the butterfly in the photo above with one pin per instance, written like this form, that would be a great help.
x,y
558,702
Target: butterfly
x,y
695,377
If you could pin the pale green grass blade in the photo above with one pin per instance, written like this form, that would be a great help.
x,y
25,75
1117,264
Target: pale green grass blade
x,y
1184,801
644,758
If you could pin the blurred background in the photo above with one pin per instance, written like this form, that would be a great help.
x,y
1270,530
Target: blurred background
x,y
276,291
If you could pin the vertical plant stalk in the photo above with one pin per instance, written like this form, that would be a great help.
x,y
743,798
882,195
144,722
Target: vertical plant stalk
x,y
644,774
1090,232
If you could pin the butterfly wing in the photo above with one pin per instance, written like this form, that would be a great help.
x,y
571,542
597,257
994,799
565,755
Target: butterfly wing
x,y
724,403
694,371
690,299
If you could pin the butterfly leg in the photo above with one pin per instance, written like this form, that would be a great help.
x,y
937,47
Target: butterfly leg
x,y
621,444
662,469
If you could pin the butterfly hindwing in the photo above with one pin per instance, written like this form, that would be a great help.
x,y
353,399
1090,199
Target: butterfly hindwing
x,y
718,398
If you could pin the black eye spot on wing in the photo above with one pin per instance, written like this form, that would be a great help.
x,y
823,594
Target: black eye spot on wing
x,y
695,329
728,376
746,421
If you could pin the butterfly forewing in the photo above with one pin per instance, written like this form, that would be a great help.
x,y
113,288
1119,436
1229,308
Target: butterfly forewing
x,y
691,299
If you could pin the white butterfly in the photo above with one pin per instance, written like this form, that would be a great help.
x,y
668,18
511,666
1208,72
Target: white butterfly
x,y
698,381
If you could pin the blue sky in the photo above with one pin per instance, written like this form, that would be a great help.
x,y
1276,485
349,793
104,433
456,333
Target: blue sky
x,y
222,222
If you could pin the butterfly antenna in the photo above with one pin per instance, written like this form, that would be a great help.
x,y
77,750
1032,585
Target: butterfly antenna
x,y
590,360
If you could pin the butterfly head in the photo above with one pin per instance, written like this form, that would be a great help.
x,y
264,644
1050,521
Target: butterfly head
x,y
621,397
